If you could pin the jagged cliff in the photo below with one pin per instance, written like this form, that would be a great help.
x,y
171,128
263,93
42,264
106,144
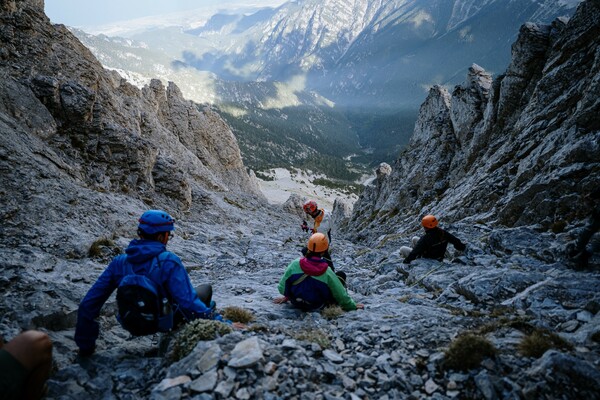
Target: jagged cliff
x,y
61,108
520,149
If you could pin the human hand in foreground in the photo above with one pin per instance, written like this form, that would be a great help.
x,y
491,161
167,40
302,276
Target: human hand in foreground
x,y
280,300
360,306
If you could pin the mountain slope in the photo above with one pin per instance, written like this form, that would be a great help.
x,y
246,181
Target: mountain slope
x,y
369,62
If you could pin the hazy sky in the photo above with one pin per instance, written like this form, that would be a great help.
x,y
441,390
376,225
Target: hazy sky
x,y
81,13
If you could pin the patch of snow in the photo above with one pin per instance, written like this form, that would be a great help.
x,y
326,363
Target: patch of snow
x,y
286,183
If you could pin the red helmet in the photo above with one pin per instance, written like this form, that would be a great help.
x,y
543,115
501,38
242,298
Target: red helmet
x,y
429,221
310,207
318,243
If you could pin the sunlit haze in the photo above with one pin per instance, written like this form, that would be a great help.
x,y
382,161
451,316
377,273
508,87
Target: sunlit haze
x,y
93,14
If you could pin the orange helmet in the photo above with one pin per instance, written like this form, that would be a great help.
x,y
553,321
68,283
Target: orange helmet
x,y
318,243
310,207
429,222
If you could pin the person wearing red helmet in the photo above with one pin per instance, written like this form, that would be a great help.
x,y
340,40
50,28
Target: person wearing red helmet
x,y
322,224
431,245
310,284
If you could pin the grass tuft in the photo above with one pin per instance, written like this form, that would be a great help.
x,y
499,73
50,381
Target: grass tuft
x,y
539,341
314,336
193,332
467,352
237,314
332,312
96,249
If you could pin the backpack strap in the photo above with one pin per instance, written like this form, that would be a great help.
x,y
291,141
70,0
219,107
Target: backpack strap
x,y
299,280
156,263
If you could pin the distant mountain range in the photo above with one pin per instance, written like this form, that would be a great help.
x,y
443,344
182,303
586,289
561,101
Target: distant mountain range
x,y
368,62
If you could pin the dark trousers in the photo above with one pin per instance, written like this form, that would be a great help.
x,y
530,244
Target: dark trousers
x,y
204,293
578,252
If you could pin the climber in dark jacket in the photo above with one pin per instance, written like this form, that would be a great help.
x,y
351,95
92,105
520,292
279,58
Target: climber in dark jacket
x,y
433,244
154,229
578,251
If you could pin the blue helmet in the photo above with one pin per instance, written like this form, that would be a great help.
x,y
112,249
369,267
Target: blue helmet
x,y
155,221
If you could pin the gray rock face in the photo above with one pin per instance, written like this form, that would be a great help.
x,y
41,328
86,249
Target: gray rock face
x,y
519,150
112,135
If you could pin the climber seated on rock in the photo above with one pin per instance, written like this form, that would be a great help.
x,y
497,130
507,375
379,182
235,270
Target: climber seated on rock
x,y
310,284
154,292
431,245
577,251
322,224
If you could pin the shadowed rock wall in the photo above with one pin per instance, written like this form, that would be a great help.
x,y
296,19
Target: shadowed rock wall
x,y
521,149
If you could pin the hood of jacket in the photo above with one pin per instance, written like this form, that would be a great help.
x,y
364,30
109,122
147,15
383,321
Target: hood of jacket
x,y
141,250
313,266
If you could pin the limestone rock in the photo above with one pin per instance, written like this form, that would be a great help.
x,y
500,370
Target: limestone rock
x,y
246,354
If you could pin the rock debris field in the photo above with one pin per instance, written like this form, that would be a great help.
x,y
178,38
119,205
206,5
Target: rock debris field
x,y
500,290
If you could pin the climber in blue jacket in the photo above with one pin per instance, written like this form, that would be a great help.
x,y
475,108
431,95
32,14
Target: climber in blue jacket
x,y
187,303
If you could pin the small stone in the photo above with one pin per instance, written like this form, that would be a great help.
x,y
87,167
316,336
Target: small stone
x,y
242,394
452,385
270,368
230,373
246,354
584,316
224,388
205,383
436,357
289,344
385,328
348,383
332,356
459,377
416,380
171,382
339,344
210,359
423,353
431,386
570,326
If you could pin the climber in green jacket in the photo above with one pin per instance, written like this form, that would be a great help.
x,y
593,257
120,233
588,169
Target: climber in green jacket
x,y
310,284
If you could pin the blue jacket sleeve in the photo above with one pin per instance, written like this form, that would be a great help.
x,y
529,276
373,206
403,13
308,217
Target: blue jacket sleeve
x,y
184,295
87,329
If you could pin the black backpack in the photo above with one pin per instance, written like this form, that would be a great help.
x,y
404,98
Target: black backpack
x,y
143,306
